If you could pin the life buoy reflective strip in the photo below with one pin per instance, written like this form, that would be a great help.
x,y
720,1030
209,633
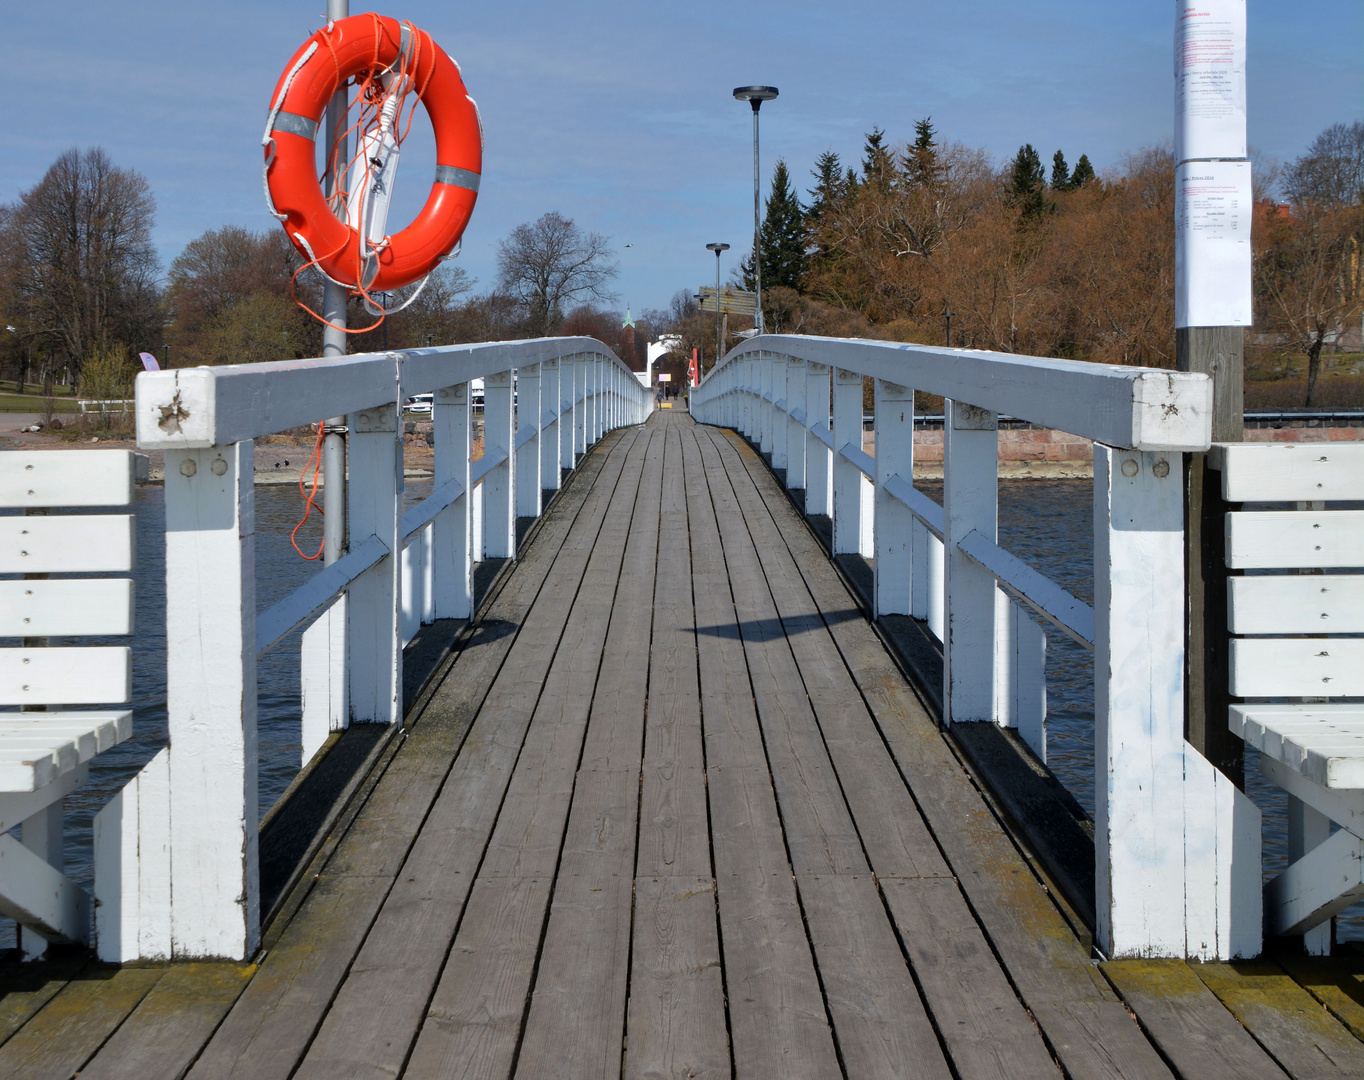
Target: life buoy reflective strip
x,y
334,54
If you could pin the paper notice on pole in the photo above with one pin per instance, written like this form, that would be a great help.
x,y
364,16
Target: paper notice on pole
x,y
1210,79
1212,243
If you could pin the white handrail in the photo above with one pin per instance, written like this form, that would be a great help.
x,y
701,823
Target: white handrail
x,y
942,564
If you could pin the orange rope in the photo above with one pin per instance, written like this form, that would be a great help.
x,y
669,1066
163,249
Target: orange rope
x,y
310,497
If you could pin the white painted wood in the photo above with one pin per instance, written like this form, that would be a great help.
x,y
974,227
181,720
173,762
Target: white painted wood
x,y
780,424
847,432
970,469
1308,829
1322,742
1048,599
97,675
1139,706
324,702
1290,472
451,534
893,558
795,423
765,401
412,579
211,700
423,513
1020,674
1296,604
1344,806
317,593
499,504
38,478
476,523
568,397
1268,539
40,897
528,441
1297,667
918,504
66,607
581,424
551,439
16,807
133,869
858,459
1140,408
818,462
373,506
1223,906
1324,882
37,752
60,544
493,457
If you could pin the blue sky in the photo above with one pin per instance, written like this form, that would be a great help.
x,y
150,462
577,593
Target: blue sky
x,y
620,115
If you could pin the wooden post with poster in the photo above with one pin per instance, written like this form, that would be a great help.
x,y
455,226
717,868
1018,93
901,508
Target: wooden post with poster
x,y
1213,206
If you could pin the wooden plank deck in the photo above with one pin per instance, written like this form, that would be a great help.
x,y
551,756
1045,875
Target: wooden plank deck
x,y
673,811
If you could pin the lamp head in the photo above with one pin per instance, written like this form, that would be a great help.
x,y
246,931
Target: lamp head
x,y
755,95
717,248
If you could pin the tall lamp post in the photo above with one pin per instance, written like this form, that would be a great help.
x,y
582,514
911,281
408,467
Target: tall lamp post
x,y
947,316
717,248
755,96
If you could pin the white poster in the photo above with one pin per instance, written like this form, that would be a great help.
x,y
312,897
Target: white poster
x,y
1212,243
1210,79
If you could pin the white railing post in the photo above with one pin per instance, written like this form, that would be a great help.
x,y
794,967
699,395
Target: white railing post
x,y
893,564
451,535
763,361
568,412
373,606
322,679
580,405
795,429
847,431
499,505
818,481
211,701
528,441
551,437
970,502
598,397
780,393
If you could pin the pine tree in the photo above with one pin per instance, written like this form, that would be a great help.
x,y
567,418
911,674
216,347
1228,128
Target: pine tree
x,y
1083,174
878,170
1028,183
782,236
921,158
830,186
1060,172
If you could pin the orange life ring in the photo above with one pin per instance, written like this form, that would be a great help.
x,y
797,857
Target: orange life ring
x,y
340,51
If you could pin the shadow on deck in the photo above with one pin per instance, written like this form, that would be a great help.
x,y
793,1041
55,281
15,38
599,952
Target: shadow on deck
x,y
672,809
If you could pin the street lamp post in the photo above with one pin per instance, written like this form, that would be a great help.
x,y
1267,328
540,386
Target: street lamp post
x,y
755,96
717,248
947,316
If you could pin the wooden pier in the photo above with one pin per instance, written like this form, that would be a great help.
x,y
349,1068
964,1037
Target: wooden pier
x,y
672,810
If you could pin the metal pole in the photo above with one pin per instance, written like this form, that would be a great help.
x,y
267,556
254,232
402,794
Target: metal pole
x,y
334,298
718,343
757,229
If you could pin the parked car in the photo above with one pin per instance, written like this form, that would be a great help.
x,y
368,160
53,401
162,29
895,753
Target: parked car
x,y
419,403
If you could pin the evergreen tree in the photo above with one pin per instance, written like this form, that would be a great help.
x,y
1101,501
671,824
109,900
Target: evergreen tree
x,y
921,158
1060,172
782,236
830,186
1083,174
878,170
1027,185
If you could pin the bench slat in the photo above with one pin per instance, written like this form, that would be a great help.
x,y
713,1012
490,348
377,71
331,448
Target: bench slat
x,y
31,757
1302,539
1290,472
101,675
1297,667
66,607
67,478
1297,604
1325,743
66,544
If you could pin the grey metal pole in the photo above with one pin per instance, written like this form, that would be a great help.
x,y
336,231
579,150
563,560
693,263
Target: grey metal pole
x,y
757,228
334,298
718,343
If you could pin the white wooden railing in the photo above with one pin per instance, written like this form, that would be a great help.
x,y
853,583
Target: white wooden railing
x,y
176,859
1177,845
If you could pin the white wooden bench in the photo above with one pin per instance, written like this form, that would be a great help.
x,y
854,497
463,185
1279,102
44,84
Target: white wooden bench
x,y
1296,613
43,751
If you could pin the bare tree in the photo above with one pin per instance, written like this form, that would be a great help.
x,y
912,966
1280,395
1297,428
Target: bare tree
x,y
1331,173
85,268
550,264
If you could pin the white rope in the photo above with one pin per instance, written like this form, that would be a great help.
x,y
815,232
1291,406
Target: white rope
x,y
267,139
312,261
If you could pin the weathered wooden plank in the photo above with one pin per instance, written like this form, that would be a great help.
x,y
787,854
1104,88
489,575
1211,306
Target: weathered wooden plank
x,y
675,1025
1193,1029
75,1023
1043,958
587,937
778,1023
1337,982
272,1023
674,836
882,1028
1285,1019
385,993
170,1025
27,987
